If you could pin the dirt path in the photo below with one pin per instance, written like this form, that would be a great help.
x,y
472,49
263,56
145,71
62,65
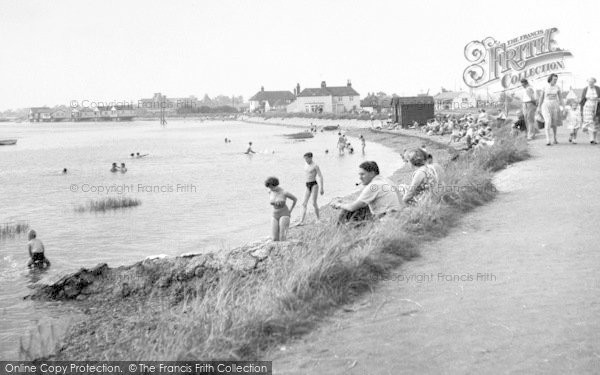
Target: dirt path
x,y
528,301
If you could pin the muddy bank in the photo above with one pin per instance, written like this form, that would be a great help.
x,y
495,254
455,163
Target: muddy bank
x,y
172,277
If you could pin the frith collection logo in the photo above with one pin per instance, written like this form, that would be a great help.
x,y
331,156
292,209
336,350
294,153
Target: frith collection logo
x,y
529,56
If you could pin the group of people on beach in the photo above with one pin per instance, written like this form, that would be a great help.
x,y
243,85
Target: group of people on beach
x,y
378,198
548,111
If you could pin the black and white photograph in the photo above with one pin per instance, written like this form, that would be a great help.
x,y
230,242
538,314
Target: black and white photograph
x,y
299,187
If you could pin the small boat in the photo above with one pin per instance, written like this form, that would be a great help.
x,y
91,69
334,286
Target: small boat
x,y
301,135
7,142
331,127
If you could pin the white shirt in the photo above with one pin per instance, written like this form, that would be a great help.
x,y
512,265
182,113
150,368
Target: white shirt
x,y
381,195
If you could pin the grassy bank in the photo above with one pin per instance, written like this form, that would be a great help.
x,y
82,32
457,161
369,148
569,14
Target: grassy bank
x,y
109,203
244,315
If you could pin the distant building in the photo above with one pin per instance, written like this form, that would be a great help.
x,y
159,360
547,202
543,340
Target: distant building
x,y
60,114
375,104
40,114
406,110
104,113
159,101
265,101
330,99
455,100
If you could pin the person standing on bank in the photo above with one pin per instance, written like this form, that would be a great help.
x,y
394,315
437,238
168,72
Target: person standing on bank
x,y
280,222
590,107
313,188
529,108
549,108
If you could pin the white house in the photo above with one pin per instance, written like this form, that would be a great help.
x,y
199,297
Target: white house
x,y
331,99
265,101
455,100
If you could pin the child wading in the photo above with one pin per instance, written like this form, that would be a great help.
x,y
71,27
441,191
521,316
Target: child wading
x,y
35,248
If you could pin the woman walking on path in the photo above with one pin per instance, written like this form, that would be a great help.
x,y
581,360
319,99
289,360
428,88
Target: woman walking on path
x,y
590,108
281,213
550,103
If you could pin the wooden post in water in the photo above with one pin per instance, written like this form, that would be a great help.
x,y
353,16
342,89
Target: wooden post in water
x,y
163,120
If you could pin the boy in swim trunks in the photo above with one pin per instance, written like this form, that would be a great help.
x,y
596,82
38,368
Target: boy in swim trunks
x,y
312,186
35,248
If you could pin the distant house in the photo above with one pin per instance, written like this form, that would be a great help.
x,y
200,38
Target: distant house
x,y
265,101
104,113
454,100
40,114
331,99
375,104
60,114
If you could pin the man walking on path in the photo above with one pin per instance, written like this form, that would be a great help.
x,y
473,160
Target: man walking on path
x,y
312,186
529,107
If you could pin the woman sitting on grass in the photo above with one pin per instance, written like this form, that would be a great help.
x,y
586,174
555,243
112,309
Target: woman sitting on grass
x,y
281,213
424,179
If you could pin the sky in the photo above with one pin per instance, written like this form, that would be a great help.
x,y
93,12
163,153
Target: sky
x,y
56,52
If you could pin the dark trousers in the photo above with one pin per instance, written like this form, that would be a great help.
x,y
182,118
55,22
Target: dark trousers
x,y
362,214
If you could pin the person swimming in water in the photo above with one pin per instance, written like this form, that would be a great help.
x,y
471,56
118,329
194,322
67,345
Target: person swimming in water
x,y
313,188
64,171
123,168
114,168
140,156
133,155
36,249
280,222
249,150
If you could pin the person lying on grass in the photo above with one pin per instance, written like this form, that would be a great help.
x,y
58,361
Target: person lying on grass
x,y
378,197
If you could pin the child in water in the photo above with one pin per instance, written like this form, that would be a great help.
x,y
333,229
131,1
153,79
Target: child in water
x,y
36,249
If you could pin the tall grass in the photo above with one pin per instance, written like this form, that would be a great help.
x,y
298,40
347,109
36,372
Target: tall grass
x,y
10,230
244,315
108,203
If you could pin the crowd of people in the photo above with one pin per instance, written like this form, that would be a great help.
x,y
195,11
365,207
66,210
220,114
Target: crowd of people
x,y
378,198
474,130
549,111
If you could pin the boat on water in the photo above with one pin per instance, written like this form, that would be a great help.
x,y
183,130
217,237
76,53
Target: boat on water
x,y
331,127
7,142
301,135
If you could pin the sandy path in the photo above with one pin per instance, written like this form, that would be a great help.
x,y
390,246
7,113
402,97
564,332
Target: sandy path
x,y
534,309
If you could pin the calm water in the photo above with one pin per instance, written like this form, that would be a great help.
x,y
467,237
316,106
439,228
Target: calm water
x,y
197,192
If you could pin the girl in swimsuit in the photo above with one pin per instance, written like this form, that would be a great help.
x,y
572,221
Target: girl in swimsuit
x,y
281,213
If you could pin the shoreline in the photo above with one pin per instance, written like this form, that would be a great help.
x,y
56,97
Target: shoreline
x,y
78,285
183,278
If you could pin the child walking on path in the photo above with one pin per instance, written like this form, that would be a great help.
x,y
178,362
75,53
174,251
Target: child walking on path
x,y
573,120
